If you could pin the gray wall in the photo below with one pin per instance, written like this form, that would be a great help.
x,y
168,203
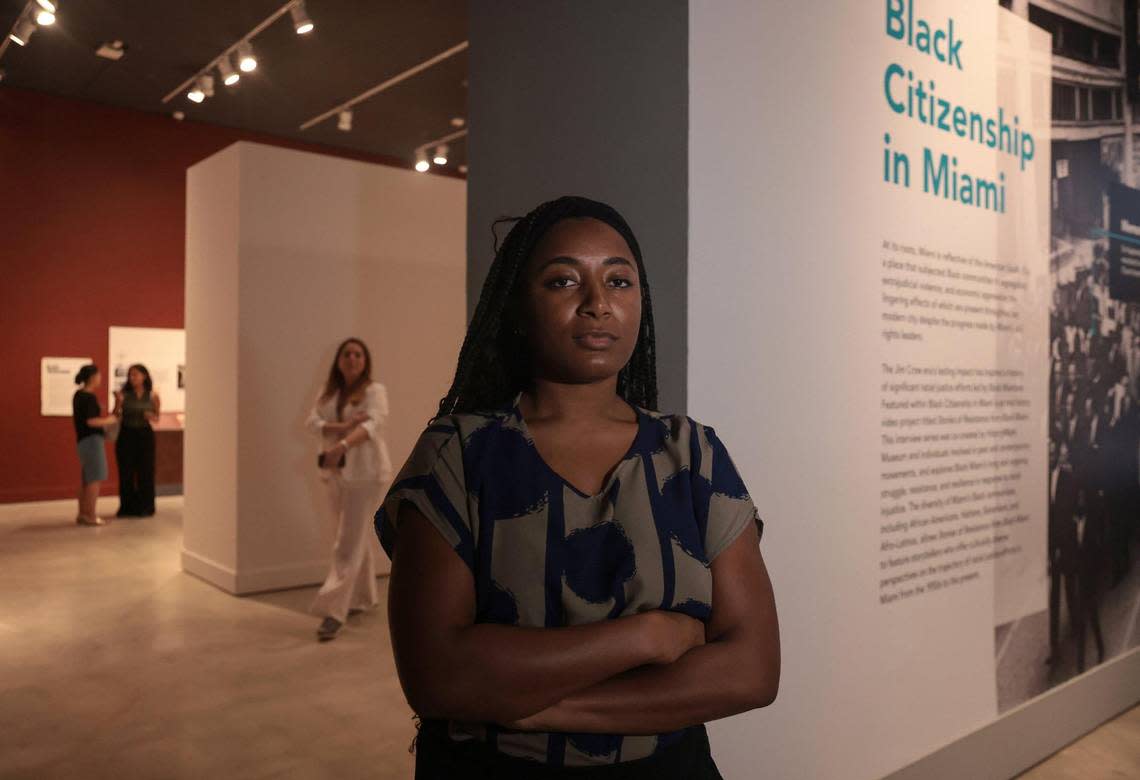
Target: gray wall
x,y
586,98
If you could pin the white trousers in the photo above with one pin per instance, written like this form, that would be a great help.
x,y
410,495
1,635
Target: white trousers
x,y
351,583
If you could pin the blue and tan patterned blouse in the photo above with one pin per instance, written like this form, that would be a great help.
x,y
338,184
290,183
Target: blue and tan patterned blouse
x,y
543,554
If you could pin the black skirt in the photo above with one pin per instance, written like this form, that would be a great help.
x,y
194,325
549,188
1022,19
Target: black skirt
x,y
438,757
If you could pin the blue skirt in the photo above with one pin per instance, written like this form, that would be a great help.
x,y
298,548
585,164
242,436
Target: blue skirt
x,y
92,458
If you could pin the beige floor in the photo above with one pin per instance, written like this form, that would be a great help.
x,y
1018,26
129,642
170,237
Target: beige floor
x,y
1111,751
115,664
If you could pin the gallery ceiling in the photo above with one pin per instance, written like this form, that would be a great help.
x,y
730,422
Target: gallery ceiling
x,y
355,45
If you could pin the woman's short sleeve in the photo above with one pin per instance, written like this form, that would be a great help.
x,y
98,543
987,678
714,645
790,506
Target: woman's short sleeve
x,y
433,481
86,407
723,507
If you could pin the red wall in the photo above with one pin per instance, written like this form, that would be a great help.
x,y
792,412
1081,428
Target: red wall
x,y
92,234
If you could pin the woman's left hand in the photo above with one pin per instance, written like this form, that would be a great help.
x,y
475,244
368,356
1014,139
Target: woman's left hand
x,y
524,724
331,456
539,721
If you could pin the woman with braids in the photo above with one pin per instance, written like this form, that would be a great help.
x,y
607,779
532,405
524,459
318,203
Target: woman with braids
x,y
577,584
349,416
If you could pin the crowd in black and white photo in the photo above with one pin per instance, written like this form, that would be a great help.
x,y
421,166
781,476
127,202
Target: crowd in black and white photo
x,y
1094,454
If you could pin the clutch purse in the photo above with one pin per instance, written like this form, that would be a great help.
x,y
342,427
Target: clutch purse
x,y
321,461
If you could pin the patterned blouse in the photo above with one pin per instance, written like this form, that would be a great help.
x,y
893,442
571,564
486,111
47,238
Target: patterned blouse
x,y
543,554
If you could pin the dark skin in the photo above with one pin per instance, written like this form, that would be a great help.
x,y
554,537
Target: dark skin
x,y
647,673
582,314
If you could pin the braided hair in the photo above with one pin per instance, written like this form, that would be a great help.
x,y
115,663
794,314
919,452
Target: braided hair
x,y
495,362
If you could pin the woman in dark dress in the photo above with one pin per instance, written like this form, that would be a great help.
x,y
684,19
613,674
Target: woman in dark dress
x,y
577,585
138,405
89,424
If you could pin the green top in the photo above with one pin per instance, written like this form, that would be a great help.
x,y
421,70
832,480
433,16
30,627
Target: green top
x,y
135,409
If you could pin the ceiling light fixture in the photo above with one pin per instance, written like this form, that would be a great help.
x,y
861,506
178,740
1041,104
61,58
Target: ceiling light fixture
x,y
458,121
386,84
226,69
441,149
203,88
45,18
301,21
48,5
22,32
240,53
246,61
344,120
111,50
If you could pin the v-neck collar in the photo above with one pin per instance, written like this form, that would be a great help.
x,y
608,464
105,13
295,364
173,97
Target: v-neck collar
x,y
634,448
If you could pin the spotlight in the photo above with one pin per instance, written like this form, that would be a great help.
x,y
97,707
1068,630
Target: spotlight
x,y
45,18
301,21
111,50
344,120
247,62
458,121
422,163
203,88
48,5
226,69
440,157
22,32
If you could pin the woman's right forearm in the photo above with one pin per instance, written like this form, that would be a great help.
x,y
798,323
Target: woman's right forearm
x,y
496,673
453,667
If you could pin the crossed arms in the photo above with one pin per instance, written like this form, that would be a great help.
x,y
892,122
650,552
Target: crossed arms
x,y
648,673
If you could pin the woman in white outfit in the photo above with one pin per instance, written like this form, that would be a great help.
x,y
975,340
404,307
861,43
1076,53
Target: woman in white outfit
x,y
350,415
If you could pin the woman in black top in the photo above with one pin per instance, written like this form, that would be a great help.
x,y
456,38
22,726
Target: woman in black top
x,y
89,424
138,406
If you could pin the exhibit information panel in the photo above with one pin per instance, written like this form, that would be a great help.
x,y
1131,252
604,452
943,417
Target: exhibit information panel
x,y
57,384
869,331
161,350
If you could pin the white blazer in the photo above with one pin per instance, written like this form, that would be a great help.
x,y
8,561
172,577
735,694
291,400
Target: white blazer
x,y
369,460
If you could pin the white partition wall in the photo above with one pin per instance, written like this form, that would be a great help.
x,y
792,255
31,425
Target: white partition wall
x,y
287,254
869,303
